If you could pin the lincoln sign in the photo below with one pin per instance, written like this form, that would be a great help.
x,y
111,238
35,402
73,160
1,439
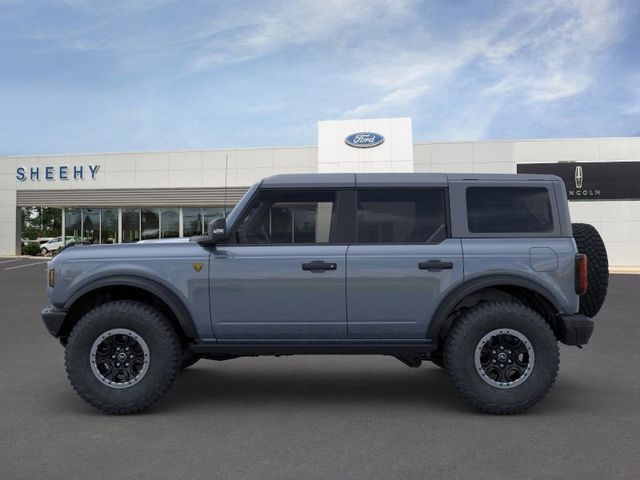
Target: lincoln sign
x,y
593,181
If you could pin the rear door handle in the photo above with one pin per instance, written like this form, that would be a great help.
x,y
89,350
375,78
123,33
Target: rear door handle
x,y
319,266
435,265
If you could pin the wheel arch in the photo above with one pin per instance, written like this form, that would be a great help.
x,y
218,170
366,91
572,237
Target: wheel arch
x,y
532,293
132,287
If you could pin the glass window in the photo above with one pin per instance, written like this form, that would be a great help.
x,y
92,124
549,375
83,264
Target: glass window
x,y
169,222
289,217
191,222
130,225
109,226
91,225
509,210
401,216
150,223
73,223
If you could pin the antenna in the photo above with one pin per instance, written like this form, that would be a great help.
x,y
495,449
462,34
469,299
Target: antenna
x,y
226,169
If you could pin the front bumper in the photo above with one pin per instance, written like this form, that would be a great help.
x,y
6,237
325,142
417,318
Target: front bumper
x,y
53,319
574,329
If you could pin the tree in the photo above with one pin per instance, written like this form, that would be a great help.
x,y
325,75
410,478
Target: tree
x,y
41,222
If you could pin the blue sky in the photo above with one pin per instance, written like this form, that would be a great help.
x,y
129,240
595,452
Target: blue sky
x,y
93,76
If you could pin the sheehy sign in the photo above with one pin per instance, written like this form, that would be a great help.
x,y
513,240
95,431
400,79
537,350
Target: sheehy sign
x,y
593,181
61,172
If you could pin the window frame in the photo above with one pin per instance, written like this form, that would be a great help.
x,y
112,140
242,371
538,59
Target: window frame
x,y
447,214
334,237
460,226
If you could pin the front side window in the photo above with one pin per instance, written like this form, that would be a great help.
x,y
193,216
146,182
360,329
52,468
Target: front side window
x,y
401,216
509,210
280,217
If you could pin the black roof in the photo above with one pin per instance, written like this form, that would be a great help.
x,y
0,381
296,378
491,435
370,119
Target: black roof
x,y
334,180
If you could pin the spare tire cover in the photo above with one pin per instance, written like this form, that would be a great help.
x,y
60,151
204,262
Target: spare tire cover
x,y
590,243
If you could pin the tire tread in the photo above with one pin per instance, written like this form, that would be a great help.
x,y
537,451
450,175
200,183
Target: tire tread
x,y
454,365
167,333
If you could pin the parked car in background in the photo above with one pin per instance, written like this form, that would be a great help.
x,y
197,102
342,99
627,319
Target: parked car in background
x,y
54,244
43,240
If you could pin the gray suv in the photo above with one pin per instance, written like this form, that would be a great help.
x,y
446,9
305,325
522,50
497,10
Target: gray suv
x,y
480,274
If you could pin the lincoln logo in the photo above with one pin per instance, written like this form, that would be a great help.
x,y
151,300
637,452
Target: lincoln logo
x,y
579,177
364,139
579,191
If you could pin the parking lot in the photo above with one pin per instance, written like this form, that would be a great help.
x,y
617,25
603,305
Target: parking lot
x,y
315,417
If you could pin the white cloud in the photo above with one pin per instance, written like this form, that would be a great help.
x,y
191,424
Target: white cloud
x,y
396,99
535,52
283,25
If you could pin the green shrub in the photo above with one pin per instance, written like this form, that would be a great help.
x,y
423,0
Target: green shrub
x,y
31,249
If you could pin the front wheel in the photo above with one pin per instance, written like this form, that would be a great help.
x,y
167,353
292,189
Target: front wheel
x,y
502,357
44,252
122,356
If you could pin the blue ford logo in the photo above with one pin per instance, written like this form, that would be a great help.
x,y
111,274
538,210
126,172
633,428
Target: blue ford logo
x,y
364,139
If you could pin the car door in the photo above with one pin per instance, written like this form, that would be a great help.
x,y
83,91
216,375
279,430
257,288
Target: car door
x,y
401,263
282,276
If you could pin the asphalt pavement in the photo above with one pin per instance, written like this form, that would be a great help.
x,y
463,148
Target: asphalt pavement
x,y
316,417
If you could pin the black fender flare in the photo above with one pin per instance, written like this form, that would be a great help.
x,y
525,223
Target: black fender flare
x,y
467,288
163,293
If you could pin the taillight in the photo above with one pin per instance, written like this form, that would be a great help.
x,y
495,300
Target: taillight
x,y
581,274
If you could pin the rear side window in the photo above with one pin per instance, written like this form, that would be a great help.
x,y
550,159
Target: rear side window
x,y
509,210
401,216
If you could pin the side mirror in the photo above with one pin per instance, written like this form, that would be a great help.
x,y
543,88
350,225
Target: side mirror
x,y
217,230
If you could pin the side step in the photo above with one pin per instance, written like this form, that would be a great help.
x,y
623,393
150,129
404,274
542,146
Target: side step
x,y
254,349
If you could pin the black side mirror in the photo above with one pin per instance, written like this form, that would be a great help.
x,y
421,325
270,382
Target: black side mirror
x,y
217,230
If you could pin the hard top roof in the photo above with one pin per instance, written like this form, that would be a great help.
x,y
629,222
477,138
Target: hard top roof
x,y
336,180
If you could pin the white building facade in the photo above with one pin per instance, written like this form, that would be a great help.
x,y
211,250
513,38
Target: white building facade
x,y
124,197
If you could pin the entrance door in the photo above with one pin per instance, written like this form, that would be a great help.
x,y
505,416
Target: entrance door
x,y
401,263
284,277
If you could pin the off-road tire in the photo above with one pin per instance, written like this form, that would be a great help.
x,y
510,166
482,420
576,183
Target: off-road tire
x,y
153,327
590,243
464,337
188,359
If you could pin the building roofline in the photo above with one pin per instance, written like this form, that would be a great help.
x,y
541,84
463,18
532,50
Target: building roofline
x,y
303,147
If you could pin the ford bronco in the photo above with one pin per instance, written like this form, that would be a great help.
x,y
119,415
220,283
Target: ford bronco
x,y
482,275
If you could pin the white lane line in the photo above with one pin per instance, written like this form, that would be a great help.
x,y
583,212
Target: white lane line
x,y
27,265
9,261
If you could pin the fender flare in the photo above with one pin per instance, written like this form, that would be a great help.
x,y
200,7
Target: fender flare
x,y
465,289
163,293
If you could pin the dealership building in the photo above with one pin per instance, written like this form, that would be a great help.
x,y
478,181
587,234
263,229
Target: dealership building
x,y
126,197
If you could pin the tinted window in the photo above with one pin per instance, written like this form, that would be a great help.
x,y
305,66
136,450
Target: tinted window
x,y
401,216
289,217
509,210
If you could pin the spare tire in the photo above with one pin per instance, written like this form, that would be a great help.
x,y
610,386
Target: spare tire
x,y
590,243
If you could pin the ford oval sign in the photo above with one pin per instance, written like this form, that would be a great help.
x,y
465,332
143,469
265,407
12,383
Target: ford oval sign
x,y
364,139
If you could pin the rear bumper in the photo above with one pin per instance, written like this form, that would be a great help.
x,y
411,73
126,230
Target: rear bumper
x,y
574,329
53,319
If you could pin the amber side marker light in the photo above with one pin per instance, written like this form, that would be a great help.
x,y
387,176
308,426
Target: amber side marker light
x,y
582,282
52,277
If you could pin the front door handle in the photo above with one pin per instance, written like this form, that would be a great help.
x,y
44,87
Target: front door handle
x,y
318,266
435,265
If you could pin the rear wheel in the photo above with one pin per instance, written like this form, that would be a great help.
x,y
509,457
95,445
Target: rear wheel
x,y
502,357
44,252
590,243
122,356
